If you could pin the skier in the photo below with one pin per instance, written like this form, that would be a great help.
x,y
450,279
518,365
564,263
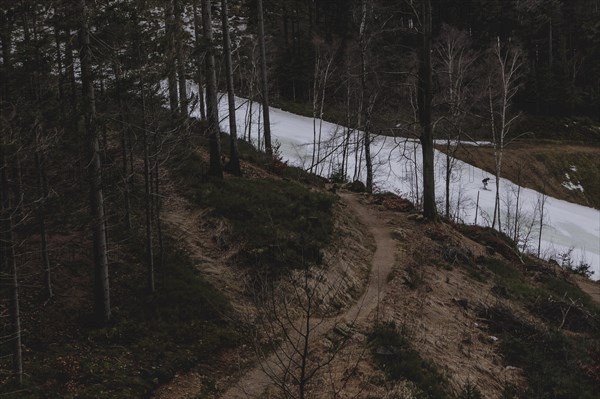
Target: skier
x,y
485,182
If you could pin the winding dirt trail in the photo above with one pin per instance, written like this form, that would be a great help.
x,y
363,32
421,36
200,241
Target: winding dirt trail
x,y
254,383
592,288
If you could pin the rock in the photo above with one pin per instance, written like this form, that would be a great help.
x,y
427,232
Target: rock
x,y
398,204
462,302
327,343
455,254
385,350
357,186
417,217
343,329
398,234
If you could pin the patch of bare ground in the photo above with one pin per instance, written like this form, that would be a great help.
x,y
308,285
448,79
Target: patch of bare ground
x,y
592,288
544,167
408,285
384,266
436,304
436,308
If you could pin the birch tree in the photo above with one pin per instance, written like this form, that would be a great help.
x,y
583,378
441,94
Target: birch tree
x,y
170,57
181,75
454,60
506,67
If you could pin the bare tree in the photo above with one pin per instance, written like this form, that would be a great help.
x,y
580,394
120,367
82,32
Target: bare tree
x,y
170,57
179,41
323,70
506,66
234,161
8,263
542,198
454,62
293,313
264,80
147,183
42,188
199,60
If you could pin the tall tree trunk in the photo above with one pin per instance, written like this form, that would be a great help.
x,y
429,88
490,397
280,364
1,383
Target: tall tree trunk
x,y
61,76
147,194
234,162
6,41
346,140
70,70
125,143
15,314
425,94
179,32
215,166
171,58
264,81
158,205
199,64
101,285
42,183
448,176
363,95
148,197
550,45
8,261
314,160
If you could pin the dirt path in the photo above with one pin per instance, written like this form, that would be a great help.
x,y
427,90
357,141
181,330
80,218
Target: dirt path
x,y
254,383
592,288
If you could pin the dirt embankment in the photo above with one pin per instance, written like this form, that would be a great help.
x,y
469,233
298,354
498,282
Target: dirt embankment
x,y
348,267
436,308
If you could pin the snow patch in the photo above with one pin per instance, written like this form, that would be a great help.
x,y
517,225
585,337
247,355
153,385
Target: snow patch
x,y
568,183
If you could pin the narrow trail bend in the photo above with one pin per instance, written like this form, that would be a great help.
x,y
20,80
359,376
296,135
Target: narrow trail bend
x,y
255,381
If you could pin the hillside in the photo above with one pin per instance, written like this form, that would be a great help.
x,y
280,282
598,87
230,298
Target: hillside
x,y
166,232
403,307
437,324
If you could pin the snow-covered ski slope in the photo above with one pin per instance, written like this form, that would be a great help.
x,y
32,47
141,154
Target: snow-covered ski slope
x,y
397,168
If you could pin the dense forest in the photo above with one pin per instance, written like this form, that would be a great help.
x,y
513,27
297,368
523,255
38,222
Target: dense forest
x,y
558,39
103,101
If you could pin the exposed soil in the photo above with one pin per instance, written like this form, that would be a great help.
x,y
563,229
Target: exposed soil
x,y
592,288
435,305
347,259
408,285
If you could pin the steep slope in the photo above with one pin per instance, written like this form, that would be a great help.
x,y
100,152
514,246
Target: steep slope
x,y
436,288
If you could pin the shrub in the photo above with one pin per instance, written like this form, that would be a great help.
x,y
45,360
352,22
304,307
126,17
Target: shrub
x,y
393,354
